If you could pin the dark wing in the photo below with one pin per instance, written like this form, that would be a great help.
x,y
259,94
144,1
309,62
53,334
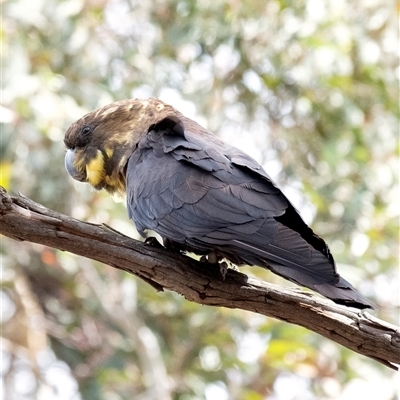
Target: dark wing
x,y
198,191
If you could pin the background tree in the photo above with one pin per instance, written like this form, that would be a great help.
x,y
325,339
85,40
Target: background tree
x,y
308,88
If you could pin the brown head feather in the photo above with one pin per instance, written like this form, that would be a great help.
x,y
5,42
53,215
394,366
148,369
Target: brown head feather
x,y
104,139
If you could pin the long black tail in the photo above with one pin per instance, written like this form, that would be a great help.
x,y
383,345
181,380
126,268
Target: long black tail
x,y
291,256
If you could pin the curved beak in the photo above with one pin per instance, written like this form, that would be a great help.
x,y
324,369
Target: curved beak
x,y
69,166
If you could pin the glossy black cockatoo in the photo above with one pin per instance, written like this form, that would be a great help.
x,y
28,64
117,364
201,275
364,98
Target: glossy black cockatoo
x,y
199,193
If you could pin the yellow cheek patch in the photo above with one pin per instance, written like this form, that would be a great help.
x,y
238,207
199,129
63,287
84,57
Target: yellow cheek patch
x,y
109,152
95,172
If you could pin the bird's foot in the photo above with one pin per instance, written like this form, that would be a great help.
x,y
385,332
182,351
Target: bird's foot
x,y
166,244
172,246
211,258
153,242
216,259
223,269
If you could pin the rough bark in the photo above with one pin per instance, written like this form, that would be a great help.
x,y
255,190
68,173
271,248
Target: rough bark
x,y
22,219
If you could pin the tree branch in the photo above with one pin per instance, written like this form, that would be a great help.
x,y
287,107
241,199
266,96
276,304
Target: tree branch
x,y
23,219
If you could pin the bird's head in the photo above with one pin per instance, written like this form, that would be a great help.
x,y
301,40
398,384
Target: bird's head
x,y
100,143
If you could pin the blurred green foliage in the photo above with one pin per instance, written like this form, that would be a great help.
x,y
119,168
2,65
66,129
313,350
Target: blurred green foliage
x,y
307,87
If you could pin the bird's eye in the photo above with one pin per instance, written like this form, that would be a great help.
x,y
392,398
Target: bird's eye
x,y
86,130
84,135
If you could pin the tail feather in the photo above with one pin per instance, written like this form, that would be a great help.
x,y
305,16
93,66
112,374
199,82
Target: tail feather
x,y
291,257
344,293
